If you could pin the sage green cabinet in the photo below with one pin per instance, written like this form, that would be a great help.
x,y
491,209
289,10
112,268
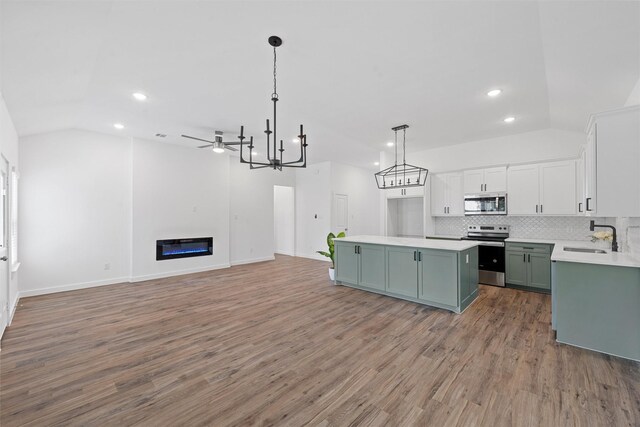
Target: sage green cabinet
x,y
402,271
528,265
442,278
372,269
359,264
438,276
347,262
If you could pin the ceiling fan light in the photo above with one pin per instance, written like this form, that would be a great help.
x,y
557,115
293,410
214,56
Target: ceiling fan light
x,y
218,148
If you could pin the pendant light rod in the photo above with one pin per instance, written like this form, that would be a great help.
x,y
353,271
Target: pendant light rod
x,y
273,160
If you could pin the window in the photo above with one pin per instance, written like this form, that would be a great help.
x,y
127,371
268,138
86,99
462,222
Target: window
x,y
14,221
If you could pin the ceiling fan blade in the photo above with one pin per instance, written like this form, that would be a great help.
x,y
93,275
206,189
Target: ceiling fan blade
x,y
205,146
230,148
197,139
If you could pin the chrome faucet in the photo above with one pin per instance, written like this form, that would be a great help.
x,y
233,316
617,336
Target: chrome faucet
x,y
614,243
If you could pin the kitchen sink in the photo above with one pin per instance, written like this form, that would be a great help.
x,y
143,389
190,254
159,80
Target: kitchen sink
x,y
586,250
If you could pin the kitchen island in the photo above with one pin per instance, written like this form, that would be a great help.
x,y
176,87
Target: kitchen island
x,y
438,273
596,300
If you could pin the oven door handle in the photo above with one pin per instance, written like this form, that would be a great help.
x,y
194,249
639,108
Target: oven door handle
x,y
494,244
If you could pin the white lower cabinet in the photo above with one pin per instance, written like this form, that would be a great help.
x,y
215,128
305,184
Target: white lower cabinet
x,y
542,189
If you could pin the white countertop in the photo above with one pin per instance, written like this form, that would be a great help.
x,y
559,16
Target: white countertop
x,y
447,245
444,236
616,259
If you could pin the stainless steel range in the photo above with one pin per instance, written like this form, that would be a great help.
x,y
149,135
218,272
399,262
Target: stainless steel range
x,y
491,257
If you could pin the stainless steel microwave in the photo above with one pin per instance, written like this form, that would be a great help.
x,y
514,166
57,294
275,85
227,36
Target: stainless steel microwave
x,y
485,204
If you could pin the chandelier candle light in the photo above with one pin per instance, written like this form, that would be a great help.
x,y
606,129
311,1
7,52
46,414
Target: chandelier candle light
x,y
404,175
274,160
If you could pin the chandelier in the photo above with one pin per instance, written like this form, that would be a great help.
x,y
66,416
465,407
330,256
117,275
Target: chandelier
x,y
274,154
404,175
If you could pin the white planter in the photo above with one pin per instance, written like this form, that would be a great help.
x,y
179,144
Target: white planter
x,y
332,274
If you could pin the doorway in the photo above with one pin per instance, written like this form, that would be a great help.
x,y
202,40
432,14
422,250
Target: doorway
x,y
340,213
284,220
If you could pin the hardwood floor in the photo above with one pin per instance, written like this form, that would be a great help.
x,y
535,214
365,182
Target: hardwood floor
x,y
276,344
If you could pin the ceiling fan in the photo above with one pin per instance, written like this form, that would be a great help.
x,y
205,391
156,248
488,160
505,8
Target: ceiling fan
x,y
217,143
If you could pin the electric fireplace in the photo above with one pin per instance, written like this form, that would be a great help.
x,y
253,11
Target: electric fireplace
x,y
183,248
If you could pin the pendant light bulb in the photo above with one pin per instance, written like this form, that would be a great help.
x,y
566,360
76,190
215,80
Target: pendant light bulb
x,y
217,148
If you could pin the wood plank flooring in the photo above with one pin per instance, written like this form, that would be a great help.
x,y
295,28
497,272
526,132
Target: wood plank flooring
x,y
276,344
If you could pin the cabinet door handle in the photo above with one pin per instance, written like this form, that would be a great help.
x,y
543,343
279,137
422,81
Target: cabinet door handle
x,y
540,208
580,207
524,257
529,257
536,208
355,249
445,209
415,255
419,256
588,200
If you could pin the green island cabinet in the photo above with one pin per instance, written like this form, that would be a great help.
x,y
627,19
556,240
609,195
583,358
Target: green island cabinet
x,y
597,307
528,265
441,278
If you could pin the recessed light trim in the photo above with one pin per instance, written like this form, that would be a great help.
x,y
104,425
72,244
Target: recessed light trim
x,y
139,96
390,144
494,92
509,119
376,163
295,140
118,126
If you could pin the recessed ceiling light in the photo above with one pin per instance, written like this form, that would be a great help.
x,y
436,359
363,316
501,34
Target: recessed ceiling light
x,y
494,92
509,119
376,163
295,140
139,96
389,144
118,126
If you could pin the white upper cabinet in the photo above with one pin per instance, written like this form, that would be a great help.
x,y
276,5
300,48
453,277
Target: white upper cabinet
x,y
580,182
615,168
523,190
447,197
558,188
542,189
400,193
590,173
490,180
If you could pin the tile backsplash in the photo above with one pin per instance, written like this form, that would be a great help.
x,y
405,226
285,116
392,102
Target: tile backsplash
x,y
542,227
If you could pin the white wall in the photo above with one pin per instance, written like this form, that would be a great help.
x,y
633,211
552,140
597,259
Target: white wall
x,y
360,185
9,149
177,192
634,96
313,209
75,204
251,211
537,146
284,220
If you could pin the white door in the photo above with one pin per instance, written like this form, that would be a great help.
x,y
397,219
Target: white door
x,y
438,195
474,181
455,194
340,213
523,195
283,220
4,277
558,188
495,179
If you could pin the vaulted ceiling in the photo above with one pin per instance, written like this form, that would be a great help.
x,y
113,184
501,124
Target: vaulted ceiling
x,y
348,70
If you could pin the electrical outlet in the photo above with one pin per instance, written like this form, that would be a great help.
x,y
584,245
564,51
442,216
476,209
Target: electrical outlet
x,y
107,266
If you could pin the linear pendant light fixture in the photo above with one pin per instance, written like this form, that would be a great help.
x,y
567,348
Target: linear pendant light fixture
x,y
274,154
404,175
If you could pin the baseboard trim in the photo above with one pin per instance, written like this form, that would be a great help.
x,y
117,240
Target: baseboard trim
x,y
173,273
317,257
286,253
13,308
253,260
72,287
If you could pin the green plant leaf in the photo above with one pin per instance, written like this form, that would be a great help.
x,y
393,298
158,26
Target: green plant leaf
x,y
342,234
327,254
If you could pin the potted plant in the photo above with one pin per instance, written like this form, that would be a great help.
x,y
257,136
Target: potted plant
x,y
331,253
